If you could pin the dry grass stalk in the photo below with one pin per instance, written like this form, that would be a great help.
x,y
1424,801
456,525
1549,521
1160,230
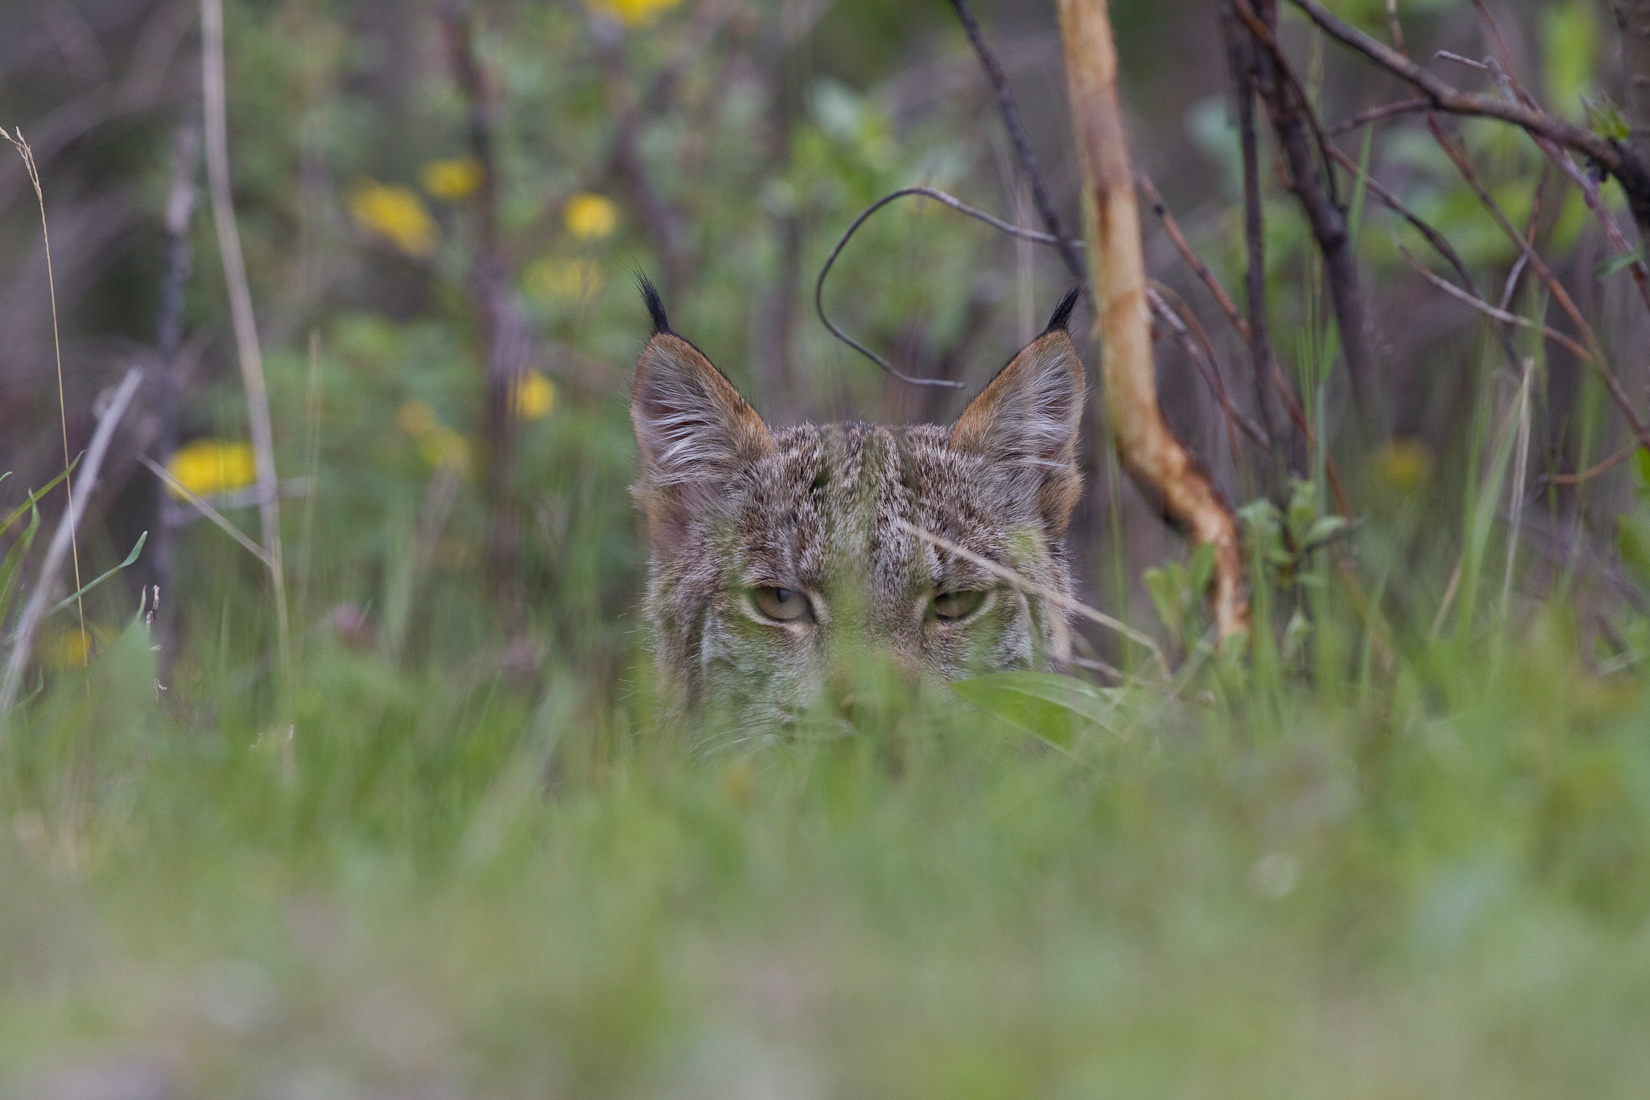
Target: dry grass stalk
x,y
245,323
1058,599
63,537
1150,452
205,508
22,146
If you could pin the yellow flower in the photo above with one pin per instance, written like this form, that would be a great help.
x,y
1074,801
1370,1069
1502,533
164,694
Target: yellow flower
x,y
632,13
439,444
554,280
417,419
69,648
209,466
446,448
590,217
452,180
395,213
1404,464
534,396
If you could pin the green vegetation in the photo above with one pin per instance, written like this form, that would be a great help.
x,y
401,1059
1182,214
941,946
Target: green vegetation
x,y
1399,847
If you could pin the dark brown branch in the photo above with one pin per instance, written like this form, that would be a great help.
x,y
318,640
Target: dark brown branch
x,y
1295,124
1595,357
1437,240
506,343
1022,147
1515,92
1184,324
1193,260
1376,114
1241,65
1633,20
1611,156
156,570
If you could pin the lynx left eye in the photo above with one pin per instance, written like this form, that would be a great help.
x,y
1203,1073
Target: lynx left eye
x,y
782,605
953,606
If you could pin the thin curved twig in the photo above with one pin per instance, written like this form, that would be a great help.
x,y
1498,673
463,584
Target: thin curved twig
x,y
853,227
1376,114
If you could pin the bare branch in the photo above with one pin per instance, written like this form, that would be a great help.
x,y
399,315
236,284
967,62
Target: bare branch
x,y
1022,146
1611,156
1149,451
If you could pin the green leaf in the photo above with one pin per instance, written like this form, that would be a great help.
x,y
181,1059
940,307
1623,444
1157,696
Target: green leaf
x,y
1202,570
137,549
1324,529
14,561
1046,705
1294,637
1633,540
36,496
1618,263
1643,466
1161,588
1605,119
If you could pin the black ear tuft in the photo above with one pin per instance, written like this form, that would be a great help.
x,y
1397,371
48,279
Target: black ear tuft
x,y
1062,312
655,307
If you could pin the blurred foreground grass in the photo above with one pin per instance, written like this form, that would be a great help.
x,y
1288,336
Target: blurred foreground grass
x,y
440,890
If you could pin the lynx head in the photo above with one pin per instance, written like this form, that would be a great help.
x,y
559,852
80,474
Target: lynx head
x,y
785,560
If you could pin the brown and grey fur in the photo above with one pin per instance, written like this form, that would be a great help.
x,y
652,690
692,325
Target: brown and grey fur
x,y
733,506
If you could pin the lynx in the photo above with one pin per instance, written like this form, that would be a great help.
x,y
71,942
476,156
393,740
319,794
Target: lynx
x,y
781,555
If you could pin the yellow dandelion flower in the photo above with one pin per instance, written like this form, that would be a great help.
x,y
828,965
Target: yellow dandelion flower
x,y
452,180
590,217
1404,464
69,648
534,396
443,447
554,280
395,213
632,13
209,466
417,419
439,444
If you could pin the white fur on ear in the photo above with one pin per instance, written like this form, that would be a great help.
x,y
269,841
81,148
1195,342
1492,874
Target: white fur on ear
x,y
690,422
1031,412
694,430
1027,420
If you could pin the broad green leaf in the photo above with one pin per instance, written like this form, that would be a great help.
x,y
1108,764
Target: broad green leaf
x,y
1618,263
1046,705
1324,529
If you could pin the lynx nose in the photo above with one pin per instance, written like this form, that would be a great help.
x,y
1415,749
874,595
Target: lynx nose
x,y
864,693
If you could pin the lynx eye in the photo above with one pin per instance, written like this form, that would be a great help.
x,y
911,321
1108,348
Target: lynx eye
x,y
782,605
950,607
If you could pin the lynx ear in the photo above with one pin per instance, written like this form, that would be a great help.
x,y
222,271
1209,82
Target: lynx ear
x,y
694,432
1025,423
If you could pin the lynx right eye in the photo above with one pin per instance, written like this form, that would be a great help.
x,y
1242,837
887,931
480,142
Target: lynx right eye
x,y
951,607
782,605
